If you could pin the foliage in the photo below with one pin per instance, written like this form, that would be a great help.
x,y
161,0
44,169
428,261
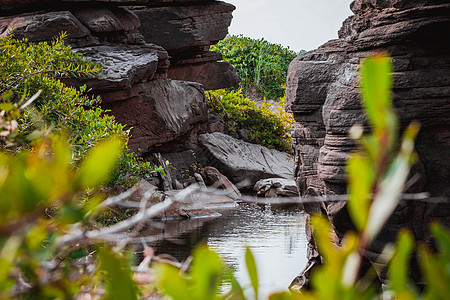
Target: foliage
x,y
377,173
265,125
203,281
34,100
260,64
207,274
41,197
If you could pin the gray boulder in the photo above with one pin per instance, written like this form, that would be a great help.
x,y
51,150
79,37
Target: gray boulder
x,y
123,66
244,163
44,26
276,187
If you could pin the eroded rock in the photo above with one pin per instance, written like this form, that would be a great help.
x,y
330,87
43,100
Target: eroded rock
x,y
45,26
182,27
216,180
123,66
244,163
323,94
276,187
165,114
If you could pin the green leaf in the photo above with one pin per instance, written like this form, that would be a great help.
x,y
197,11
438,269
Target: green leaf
x,y
7,106
172,282
237,293
206,273
8,253
287,296
391,186
442,236
361,179
97,167
376,89
120,283
398,267
252,270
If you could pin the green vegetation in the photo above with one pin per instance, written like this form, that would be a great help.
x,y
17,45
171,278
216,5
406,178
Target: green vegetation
x,y
265,125
34,102
261,65
41,197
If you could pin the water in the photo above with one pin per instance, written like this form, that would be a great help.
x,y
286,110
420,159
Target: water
x,y
276,237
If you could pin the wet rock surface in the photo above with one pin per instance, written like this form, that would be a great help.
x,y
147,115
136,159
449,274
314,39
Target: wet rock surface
x,y
323,94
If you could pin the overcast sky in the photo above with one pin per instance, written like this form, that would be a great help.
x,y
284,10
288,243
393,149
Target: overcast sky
x,y
299,24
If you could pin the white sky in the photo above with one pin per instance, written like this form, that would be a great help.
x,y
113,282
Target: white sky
x,y
299,24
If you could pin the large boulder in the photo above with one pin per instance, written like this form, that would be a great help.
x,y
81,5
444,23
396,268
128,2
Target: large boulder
x,y
276,187
165,115
244,163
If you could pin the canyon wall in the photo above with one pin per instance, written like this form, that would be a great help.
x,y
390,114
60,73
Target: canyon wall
x,y
323,94
155,54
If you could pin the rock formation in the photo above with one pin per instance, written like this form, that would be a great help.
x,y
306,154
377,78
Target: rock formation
x,y
155,54
245,163
323,94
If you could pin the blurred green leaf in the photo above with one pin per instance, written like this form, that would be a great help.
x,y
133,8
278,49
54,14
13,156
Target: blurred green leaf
x,y
7,106
174,285
79,253
8,252
119,281
288,296
398,267
236,293
436,267
376,89
207,272
391,186
442,236
361,179
252,270
96,168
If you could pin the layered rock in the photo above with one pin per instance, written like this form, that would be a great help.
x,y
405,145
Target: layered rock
x,y
166,115
133,40
186,32
323,94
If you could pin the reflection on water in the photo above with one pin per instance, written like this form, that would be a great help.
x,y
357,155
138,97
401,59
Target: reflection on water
x,y
276,237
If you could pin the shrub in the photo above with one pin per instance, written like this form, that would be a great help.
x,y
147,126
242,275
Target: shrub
x,y
260,64
33,69
265,125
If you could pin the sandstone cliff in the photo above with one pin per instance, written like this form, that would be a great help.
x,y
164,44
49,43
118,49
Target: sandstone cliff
x,y
155,54
323,94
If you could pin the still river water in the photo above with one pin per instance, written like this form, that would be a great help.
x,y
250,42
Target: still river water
x,y
276,237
